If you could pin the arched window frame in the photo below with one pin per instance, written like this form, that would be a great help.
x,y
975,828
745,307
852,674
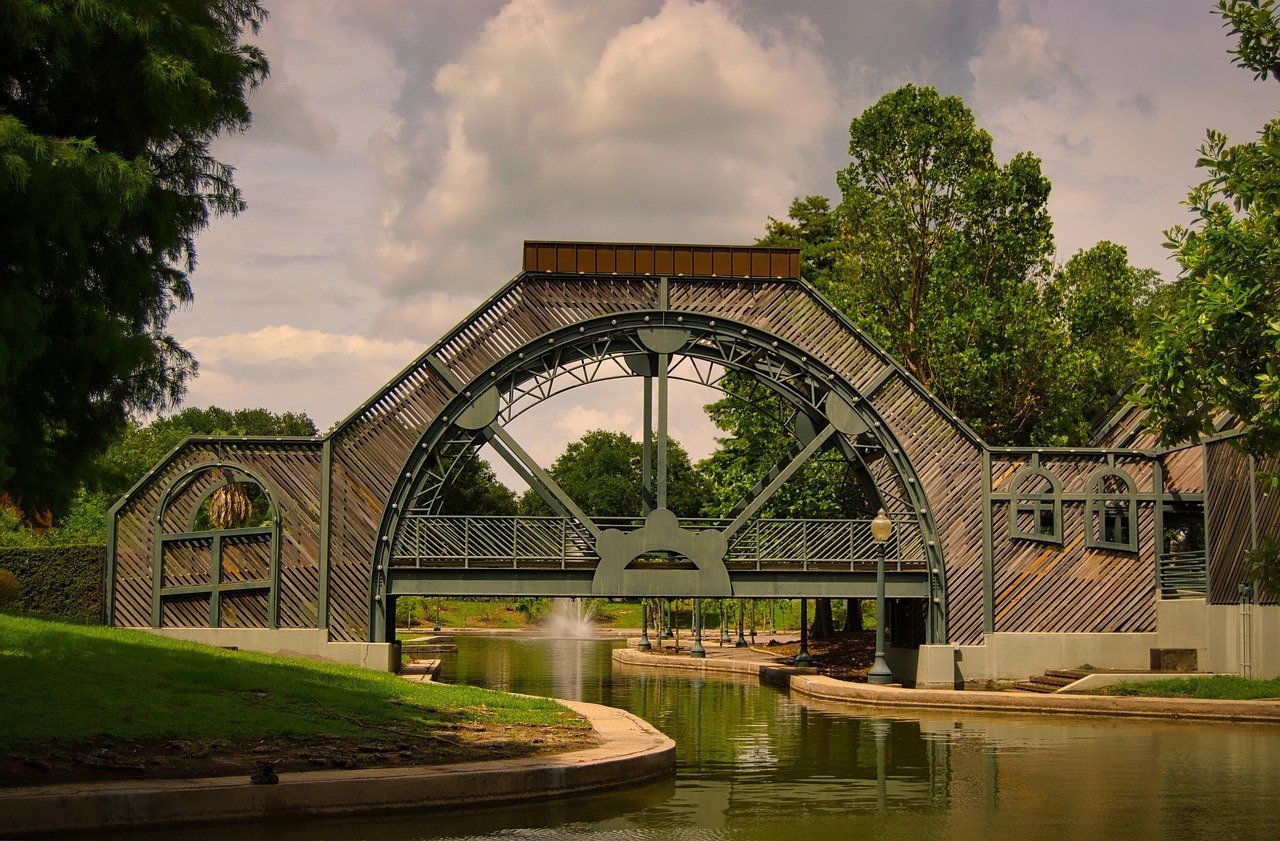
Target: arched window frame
x,y
216,587
1040,505
1111,518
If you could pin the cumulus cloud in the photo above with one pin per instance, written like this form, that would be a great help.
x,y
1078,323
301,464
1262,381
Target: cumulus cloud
x,y
282,367
576,120
1021,61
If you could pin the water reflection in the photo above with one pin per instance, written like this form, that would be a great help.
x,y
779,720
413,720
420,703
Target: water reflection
x,y
757,764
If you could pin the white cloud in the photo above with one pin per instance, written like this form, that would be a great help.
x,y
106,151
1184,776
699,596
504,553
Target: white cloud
x,y
284,368
575,120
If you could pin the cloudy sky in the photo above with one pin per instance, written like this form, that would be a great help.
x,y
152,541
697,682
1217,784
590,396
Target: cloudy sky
x,y
403,149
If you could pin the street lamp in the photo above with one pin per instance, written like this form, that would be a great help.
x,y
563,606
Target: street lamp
x,y
881,530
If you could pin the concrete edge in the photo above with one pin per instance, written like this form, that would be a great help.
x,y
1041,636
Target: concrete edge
x,y
632,752
768,673
1101,680
806,682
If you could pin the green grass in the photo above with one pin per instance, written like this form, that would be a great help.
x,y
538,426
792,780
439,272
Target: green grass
x,y
64,684
1223,687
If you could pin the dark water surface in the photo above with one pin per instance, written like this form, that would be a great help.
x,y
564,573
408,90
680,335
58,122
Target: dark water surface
x,y
757,764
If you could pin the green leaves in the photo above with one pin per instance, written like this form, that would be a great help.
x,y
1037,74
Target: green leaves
x,y
107,109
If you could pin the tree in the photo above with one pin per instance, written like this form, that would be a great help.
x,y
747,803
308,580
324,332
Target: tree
x,y
133,454
601,473
1104,305
1216,346
476,490
944,257
107,110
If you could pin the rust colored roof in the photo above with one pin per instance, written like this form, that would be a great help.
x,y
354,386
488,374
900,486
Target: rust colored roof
x,y
662,259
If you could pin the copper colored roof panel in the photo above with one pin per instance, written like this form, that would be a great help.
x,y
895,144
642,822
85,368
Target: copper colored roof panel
x,y
662,259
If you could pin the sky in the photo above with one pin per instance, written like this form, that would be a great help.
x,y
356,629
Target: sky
x,y
402,150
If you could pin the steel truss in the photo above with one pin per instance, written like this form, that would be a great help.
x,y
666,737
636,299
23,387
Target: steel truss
x,y
420,551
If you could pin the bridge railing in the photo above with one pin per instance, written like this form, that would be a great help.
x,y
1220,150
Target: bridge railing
x,y
444,541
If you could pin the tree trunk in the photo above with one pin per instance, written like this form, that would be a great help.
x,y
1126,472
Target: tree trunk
x,y
823,626
853,615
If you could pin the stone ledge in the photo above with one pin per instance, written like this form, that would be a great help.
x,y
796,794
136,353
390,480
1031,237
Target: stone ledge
x,y
805,682
632,752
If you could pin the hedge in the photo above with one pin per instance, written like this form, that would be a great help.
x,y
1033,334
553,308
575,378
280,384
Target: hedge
x,y
62,581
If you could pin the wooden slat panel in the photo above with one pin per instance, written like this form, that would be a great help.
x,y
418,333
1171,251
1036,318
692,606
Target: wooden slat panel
x,y
1228,517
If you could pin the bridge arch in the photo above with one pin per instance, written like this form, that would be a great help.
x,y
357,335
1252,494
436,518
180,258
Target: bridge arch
x,y
829,411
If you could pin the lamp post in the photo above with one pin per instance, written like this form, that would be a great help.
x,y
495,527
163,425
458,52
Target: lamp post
x,y
644,645
881,530
803,658
742,640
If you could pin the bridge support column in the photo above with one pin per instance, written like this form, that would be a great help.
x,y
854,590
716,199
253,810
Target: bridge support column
x,y
697,650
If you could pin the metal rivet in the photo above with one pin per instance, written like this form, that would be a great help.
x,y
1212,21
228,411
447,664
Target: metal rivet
x,y
493,373
744,331
775,344
520,355
466,394
613,322
582,329
384,538
646,318
551,341
679,319
712,322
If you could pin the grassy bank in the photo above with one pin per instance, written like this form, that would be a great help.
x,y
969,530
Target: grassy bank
x,y
70,693
1222,687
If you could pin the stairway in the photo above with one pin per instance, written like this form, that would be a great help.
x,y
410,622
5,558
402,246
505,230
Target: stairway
x,y
1051,681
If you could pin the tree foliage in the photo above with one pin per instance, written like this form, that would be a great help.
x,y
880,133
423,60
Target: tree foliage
x,y
601,473
944,257
475,489
131,456
1216,344
107,110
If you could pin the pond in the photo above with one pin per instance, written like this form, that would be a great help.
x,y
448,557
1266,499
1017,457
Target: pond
x,y
756,763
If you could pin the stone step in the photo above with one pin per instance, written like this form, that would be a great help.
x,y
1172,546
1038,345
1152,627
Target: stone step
x,y
1032,686
1074,674
1052,680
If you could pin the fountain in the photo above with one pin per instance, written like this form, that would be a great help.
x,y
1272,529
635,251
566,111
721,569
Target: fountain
x,y
570,619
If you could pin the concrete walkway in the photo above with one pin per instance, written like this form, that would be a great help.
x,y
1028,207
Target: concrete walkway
x,y
806,682
631,752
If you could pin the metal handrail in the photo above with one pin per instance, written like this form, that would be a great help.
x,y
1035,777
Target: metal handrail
x,y
540,542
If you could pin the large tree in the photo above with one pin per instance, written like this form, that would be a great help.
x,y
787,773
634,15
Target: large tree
x,y
601,473
1216,344
944,256
107,110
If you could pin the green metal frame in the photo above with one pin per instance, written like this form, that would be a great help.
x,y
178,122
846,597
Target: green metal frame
x,y
1098,508
236,473
468,421
1035,504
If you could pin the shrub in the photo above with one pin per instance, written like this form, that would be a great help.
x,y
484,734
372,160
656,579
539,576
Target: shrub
x,y
62,581
9,587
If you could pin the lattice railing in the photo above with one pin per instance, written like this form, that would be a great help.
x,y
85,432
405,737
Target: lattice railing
x,y
1183,573
472,542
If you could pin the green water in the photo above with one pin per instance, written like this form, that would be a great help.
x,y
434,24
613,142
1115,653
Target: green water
x,y
757,764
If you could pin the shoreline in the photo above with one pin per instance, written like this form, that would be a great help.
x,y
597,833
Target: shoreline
x,y
805,681
632,752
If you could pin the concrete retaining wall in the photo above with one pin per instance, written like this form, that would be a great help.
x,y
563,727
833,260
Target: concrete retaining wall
x,y
1228,638
293,642
632,753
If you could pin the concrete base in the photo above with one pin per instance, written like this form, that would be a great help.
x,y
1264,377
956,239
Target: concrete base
x,y
1018,656
1228,638
293,642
